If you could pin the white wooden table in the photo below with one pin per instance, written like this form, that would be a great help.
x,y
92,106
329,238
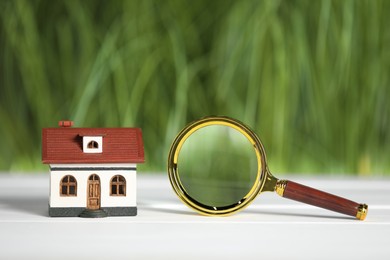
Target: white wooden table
x,y
270,228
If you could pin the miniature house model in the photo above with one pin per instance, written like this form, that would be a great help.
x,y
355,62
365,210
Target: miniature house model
x,y
92,170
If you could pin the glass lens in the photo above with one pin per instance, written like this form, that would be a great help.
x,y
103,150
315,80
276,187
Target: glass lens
x,y
217,166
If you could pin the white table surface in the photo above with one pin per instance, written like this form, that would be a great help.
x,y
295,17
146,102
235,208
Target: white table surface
x,y
270,228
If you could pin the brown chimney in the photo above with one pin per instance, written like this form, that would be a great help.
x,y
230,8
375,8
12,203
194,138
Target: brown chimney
x,y
65,123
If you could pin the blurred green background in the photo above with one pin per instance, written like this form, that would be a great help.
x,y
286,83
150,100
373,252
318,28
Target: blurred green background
x,y
312,78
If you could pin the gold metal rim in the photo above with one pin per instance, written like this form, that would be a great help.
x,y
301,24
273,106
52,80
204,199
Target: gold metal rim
x,y
173,171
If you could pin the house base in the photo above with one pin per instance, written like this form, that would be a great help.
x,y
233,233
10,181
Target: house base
x,y
77,211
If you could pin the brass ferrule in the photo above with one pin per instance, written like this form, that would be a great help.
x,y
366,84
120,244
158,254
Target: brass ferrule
x,y
280,186
362,211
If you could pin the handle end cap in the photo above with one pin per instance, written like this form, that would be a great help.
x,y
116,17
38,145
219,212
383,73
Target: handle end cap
x,y
362,211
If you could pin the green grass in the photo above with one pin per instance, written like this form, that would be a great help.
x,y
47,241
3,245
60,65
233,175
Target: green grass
x,y
312,78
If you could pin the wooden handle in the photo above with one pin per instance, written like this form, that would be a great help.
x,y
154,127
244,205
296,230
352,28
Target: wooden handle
x,y
302,193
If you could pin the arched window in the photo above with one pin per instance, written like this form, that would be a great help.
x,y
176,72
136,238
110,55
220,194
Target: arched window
x,y
93,145
68,186
118,186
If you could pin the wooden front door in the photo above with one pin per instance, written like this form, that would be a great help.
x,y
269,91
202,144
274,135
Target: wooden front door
x,y
93,196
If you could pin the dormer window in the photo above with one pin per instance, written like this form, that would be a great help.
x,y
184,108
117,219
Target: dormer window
x,y
92,144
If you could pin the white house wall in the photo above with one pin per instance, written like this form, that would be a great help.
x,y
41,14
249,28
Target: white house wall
x,y
82,176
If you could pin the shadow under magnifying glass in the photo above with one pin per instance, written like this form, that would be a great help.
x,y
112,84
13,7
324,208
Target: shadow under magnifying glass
x,y
36,206
158,206
292,214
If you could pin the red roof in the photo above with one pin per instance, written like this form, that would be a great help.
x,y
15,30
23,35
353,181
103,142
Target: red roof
x,y
65,145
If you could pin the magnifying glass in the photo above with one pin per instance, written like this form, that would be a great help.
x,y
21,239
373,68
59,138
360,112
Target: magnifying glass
x,y
217,166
